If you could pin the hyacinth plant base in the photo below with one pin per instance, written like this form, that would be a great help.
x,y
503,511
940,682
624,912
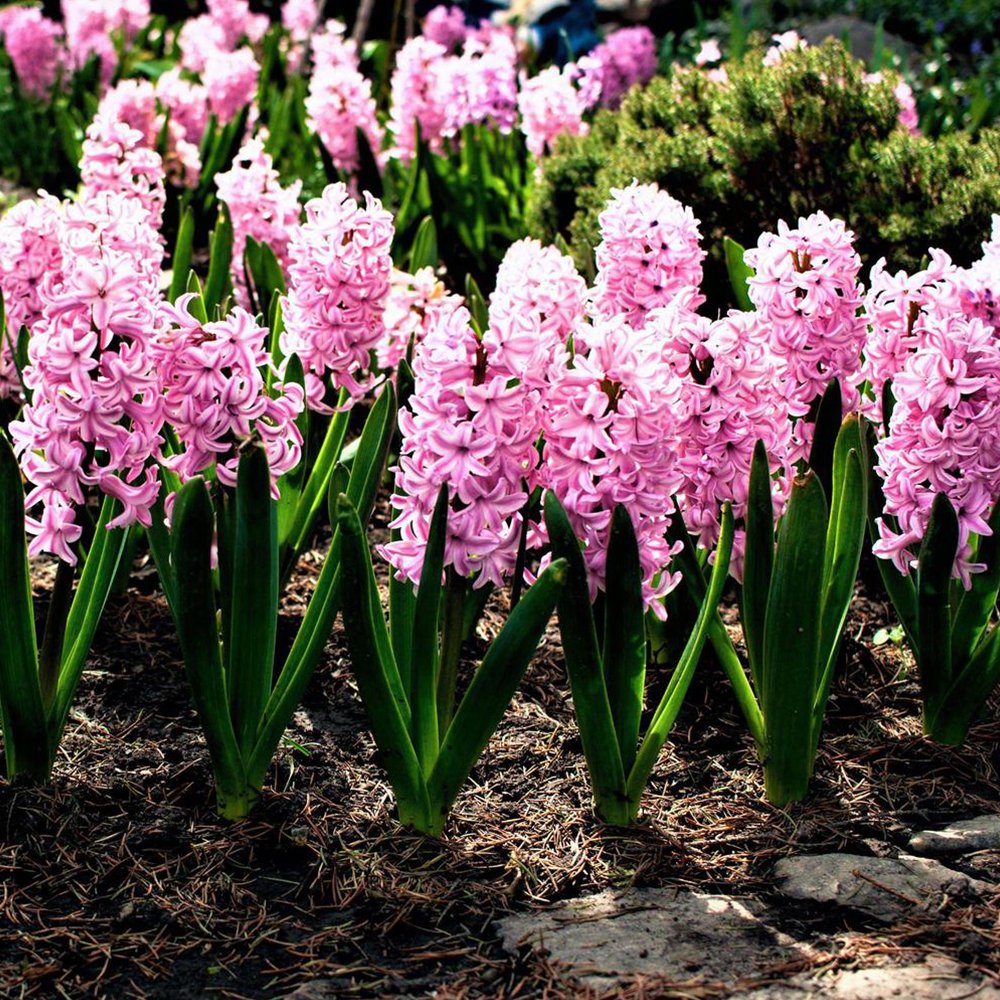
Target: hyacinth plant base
x,y
320,889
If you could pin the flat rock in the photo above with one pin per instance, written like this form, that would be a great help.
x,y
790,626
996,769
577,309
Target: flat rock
x,y
937,978
963,837
679,936
884,888
862,36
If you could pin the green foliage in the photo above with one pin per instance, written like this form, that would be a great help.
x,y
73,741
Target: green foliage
x,y
608,678
427,743
244,697
776,143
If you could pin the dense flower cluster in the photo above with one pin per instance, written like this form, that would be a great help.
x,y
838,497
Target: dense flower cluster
x,y
944,437
625,58
470,428
34,44
91,26
259,207
538,300
29,251
340,101
609,422
806,288
135,103
440,93
649,254
445,26
413,304
214,396
551,104
338,281
202,39
733,396
230,80
116,160
187,103
95,414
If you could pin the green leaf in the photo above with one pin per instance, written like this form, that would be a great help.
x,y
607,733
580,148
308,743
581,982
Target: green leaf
x,y
758,562
792,628
424,646
670,704
977,604
369,175
424,251
92,590
845,539
22,714
181,261
476,305
297,527
375,671
491,690
948,719
254,621
624,653
585,668
217,283
197,631
935,563
829,417
307,648
739,273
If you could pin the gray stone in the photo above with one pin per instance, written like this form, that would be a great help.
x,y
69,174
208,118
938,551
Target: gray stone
x,y
862,36
938,978
679,936
963,837
884,888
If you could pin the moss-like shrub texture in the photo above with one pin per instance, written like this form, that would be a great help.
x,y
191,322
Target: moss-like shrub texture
x,y
777,143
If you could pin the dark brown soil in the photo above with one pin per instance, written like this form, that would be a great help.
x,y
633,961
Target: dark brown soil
x,y
119,880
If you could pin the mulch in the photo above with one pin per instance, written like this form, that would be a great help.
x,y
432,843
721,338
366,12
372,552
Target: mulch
x,y
118,880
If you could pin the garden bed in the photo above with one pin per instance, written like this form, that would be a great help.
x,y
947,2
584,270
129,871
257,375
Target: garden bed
x,y
120,881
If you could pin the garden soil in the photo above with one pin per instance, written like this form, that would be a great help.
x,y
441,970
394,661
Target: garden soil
x,y
119,880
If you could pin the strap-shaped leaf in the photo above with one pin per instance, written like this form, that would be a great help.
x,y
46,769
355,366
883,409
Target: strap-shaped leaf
x,y
948,719
25,734
300,524
977,604
584,665
476,304
845,539
181,261
935,564
739,273
307,648
826,433
758,562
624,652
92,590
217,283
792,628
197,631
670,704
424,251
369,174
375,670
254,622
491,690
424,647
